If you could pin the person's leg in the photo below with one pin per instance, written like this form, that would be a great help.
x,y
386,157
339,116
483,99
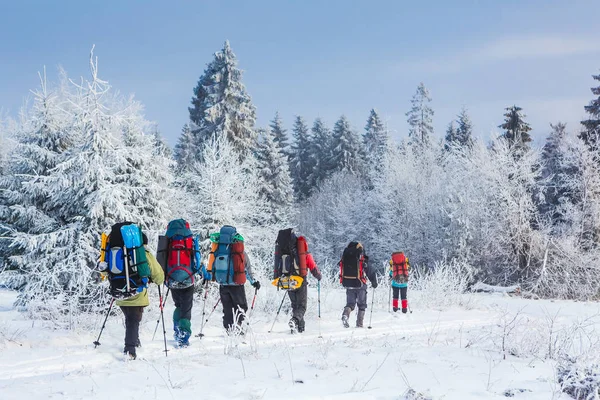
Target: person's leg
x,y
403,295
361,300
133,317
182,315
396,292
227,302
240,304
176,295
350,304
299,298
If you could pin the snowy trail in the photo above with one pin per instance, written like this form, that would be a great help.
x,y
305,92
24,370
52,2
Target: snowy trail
x,y
426,350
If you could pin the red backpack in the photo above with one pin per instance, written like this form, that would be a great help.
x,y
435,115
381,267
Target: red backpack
x,y
400,267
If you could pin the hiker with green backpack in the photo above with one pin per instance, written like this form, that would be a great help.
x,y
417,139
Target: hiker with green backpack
x,y
129,268
229,266
179,255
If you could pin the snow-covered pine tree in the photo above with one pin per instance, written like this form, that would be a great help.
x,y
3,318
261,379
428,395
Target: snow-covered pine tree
x,y
450,139
274,178
420,116
516,129
347,148
321,152
592,125
42,141
302,162
186,150
464,129
221,105
553,175
375,141
280,136
161,147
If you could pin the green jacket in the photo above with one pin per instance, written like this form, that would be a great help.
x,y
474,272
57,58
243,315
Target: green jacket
x,y
156,275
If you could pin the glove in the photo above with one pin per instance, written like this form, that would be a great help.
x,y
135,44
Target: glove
x,y
374,284
256,285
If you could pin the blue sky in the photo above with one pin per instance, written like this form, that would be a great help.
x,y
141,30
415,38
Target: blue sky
x,y
319,58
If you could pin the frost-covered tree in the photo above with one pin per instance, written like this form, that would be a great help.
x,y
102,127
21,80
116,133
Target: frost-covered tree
x,y
302,162
274,177
186,150
280,135
420,116
161,147
461,134
347,148
221,105
592,124
516,130
375,141
321,152
553,174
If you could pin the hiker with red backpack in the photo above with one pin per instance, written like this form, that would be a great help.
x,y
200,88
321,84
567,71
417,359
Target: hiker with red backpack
x,y
229,266
292,263
354,271
129,268
399,269
179,255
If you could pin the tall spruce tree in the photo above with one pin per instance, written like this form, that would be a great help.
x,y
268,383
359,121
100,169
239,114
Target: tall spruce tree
x,y
186,150
321,152
450,139
221,105
462,134
554,174
591,125
279,134
275,183
302,162
375,140
420,116
347,148
516,129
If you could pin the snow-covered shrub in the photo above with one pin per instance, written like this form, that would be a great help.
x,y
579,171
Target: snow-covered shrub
x,y
442,285
580,378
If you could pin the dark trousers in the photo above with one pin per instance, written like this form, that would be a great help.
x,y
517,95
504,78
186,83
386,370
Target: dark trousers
x,y
356,297
402,293
233,299
298,298
184,299
133,317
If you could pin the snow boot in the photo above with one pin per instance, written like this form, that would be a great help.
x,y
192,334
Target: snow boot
x,y
395,309
345,316
404,310
404,306
130,351
360,317
294,326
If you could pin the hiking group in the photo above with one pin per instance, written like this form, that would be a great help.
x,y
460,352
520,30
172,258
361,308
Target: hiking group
x,y
129,268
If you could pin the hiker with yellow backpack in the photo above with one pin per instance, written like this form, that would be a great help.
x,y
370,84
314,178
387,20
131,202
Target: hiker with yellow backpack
x,y
291,265
129,267
399,269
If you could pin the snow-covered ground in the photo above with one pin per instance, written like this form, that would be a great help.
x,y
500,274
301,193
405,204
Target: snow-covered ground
x,y
451,353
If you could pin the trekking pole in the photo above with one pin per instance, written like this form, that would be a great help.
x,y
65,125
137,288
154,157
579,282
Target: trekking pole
x,y
97,342
163,319
390,299
319,303
204,311
278,311
372,302
251,308
161,305
213,310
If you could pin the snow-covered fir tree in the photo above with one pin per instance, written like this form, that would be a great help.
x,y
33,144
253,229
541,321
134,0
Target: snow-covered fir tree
x,y
186,150
553,174
274,177
450,138
346,155
302,162
420,116
280,136
516,129
322,153
375,141
161,147
592,124
462,134
221,106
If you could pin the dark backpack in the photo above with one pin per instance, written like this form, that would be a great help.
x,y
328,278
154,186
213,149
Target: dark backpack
x,y
351,266
127,266
179,255
290,254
